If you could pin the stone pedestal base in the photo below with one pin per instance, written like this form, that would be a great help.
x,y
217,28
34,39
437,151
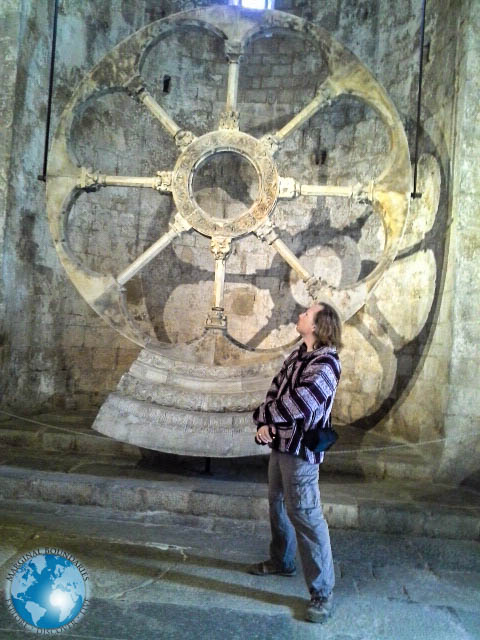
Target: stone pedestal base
x,y
181,401
191,433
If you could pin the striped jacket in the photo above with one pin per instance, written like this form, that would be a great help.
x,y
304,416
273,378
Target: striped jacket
x,y
300,397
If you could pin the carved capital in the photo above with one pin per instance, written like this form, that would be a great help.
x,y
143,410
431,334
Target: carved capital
x,y
91,180
364,194
220,247
318,289
179,224
271,143
163,182
267,232
288,188
233,50
326,93
216,319
228,120
135,86
184,138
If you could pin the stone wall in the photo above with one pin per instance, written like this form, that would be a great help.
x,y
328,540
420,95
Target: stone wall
x,y
461,398
9,37
55,351
58,353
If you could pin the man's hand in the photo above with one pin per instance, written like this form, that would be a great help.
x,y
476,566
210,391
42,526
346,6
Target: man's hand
x,y
263,434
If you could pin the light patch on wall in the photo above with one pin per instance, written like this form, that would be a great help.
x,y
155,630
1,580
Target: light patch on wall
x,y
246,301
73,32
325,264
283,334
405,294
46,384
242,302
329,266
361,385
182,326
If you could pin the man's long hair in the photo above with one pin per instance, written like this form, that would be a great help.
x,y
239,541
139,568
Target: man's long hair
x,y
328,327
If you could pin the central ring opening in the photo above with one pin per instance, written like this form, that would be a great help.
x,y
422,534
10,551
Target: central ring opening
x,y
225,185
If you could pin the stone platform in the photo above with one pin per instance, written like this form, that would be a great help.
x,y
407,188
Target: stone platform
x,y
52,461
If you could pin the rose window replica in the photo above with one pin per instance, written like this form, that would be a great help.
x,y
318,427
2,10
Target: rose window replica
x,y
215,173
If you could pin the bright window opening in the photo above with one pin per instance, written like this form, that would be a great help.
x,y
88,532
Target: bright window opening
x,y
254,4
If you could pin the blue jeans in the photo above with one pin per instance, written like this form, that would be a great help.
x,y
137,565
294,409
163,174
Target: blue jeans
x,y
295,508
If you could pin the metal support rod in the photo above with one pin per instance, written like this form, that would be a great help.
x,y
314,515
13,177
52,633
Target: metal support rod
x,y
43,176
419,100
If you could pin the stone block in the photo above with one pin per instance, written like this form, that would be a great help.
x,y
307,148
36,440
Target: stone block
x,y
265,46
449,525
286,96
104,358
283,71
270,82
464,401
270,61
252,70
341,516
20,435
255,95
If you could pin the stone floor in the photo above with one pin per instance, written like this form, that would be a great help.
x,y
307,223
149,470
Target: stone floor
x,y
172,581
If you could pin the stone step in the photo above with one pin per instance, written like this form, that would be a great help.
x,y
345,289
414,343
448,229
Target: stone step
x,y
171,489
356,453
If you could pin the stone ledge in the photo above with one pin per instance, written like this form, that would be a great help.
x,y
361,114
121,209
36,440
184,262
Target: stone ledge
x,y
388,507
67,434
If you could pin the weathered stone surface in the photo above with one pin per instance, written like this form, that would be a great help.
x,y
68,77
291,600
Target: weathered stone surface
x,y
56,353
388,584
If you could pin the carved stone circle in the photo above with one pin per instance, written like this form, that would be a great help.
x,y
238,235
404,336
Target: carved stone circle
x,y
388,192
217,142
178,384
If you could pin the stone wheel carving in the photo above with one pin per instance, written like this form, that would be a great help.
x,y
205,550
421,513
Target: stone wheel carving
x,y
121,68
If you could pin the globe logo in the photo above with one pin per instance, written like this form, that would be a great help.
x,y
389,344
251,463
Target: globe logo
x,y
47,591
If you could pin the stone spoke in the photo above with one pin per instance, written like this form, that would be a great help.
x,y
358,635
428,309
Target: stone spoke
x,y
232,87
90,179
229,118
220,247
289,188
176,228
268,234
136,88
325,94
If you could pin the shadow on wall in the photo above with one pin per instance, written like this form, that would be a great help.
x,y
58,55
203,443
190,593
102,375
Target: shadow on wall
x,y
410,355
385,343
383,357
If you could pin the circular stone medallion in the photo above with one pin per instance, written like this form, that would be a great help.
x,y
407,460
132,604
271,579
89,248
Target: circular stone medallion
x,y
195,155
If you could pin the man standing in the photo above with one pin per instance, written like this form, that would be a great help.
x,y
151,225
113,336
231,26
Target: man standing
x,y
300,399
